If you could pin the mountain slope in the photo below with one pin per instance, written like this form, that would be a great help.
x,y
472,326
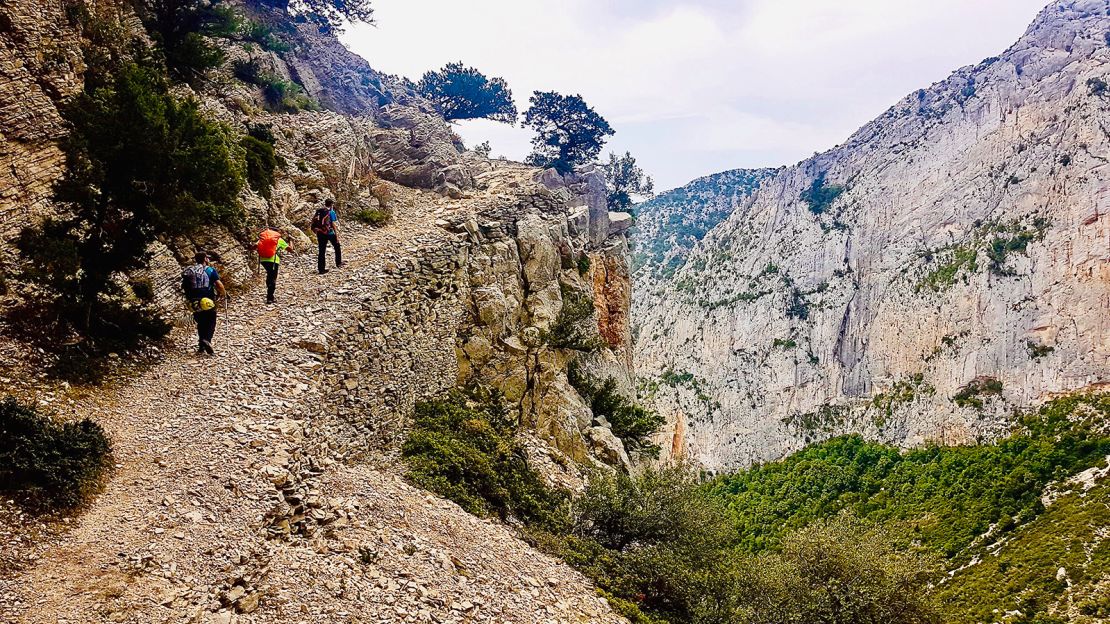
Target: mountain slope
x,y
670,224
945,264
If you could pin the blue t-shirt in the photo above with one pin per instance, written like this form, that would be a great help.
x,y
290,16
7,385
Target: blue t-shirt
x,y
334,217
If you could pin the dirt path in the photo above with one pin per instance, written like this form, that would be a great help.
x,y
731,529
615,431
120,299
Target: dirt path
x,y
214,513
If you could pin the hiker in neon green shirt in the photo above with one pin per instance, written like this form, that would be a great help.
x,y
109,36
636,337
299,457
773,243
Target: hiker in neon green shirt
x,y
270,246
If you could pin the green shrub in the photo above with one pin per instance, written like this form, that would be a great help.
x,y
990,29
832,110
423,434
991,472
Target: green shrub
x,y
630,422
574,328
1038,351
264,36
261,158
376,217
647,539
460,92
583,264
969,395
140,163
463,448
281,95
962,258
820,196
784,343
177,28
49,465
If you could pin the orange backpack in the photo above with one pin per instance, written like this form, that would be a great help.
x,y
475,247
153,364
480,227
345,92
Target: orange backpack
x,y
268,243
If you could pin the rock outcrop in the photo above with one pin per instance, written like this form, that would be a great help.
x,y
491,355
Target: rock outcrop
x,y
947,264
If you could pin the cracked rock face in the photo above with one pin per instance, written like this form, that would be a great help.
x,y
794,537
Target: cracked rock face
x,y
946,264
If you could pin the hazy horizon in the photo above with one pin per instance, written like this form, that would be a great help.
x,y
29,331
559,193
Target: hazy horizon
x,y
748,84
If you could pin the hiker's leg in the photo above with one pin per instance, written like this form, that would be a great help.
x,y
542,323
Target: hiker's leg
x,y
322,242
198,320
209,325
338,249
271,278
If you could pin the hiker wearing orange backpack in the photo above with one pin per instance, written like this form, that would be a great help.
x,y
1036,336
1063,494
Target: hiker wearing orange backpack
x,y
270,247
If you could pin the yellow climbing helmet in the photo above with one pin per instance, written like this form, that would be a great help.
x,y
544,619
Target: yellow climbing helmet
x,y
205,304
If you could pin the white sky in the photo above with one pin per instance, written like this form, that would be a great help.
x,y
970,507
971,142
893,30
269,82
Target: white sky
x,y
694,87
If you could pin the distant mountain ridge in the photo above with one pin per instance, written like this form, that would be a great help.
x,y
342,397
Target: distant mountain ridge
x,y
671,223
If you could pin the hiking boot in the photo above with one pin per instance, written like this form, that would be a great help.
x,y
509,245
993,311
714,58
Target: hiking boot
x,y
338,265
270,300
322,272
207,346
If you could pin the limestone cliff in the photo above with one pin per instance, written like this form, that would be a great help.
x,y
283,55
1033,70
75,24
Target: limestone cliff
x,y
946,264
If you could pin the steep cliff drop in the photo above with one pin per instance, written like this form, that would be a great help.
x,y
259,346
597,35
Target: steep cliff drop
x,y
946,264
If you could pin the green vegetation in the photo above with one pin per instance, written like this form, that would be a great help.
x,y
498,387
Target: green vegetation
x,y
376,217
824,419
140,162
263,35
784,343
901,393
282,96
1022,575
261,159
1097,86
583,264
943,498
820,196
463,448
630,422
574,328
625,180
178,27
674,379
1015,238
328,14
797,306
48,465
1038,351
970,395
960,258
568,131
460,92
683,216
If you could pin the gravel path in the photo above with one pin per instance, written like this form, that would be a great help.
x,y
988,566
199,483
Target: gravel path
x,y
215,514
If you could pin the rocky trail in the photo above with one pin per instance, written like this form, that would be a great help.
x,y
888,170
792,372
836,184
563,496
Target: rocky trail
x,y
226,505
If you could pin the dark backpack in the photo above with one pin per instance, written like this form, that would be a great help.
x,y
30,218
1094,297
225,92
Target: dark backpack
x,y
321,221
196,281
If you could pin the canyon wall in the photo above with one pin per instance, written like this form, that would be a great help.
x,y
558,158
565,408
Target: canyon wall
x,y
946,265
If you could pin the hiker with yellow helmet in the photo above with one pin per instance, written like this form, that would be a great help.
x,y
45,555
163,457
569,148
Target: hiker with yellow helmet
x,y
203,287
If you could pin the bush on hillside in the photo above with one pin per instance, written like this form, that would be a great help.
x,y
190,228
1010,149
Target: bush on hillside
x,y
281,95
630,422
463,448
820,196
574,327
261,158
49,465
625,180
140,162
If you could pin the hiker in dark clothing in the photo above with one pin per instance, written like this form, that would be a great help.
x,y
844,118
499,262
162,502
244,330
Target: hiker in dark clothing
x,y
325,224
202,286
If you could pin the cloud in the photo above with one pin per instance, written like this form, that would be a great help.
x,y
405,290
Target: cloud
x,y
698,86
